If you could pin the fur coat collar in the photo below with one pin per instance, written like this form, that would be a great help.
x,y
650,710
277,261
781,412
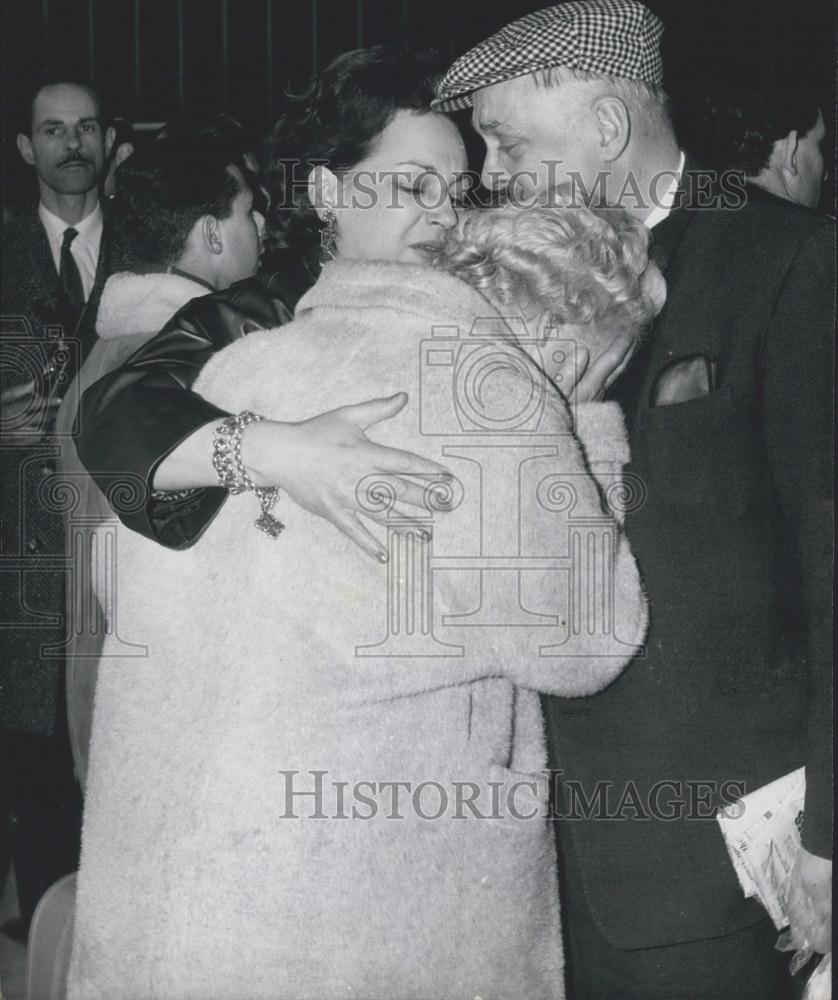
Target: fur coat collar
x,y
142,303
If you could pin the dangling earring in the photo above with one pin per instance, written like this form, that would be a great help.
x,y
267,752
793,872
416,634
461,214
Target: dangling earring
x,y
329,233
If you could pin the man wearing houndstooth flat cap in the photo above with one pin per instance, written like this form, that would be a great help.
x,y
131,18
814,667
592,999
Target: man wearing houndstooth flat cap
x,y
534,74
612,37
729,409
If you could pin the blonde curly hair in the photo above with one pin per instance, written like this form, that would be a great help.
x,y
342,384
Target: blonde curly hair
x,y
586,268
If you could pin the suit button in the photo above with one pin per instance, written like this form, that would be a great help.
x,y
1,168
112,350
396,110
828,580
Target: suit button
x,y
34,545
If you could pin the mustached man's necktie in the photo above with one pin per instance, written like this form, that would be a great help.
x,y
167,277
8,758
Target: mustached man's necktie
x,y
68,275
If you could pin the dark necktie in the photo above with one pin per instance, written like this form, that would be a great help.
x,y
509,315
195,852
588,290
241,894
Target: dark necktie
x,y
68,274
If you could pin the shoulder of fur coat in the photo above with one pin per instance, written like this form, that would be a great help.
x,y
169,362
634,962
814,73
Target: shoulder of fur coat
x,y
142,303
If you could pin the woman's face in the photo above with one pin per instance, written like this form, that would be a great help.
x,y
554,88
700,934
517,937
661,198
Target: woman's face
x,y
397,203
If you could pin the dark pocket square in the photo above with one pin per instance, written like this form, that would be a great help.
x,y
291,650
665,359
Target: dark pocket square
x,y
683,379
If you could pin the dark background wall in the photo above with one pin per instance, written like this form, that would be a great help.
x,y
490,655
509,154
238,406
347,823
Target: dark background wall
x,y
155,59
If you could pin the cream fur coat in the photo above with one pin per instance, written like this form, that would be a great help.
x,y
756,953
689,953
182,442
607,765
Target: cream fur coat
x,y
201,875
133,308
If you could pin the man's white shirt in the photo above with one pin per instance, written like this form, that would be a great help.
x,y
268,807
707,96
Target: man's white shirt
x,y
84,248
667,199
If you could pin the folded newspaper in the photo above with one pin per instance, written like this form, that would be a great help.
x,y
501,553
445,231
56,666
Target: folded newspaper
x,y
762,833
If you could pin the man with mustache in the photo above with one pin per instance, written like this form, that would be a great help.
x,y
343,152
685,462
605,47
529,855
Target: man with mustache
x,y
56,256
64,139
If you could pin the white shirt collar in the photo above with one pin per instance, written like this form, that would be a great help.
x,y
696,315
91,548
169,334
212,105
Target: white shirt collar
x,y
667,199
84,248
56,226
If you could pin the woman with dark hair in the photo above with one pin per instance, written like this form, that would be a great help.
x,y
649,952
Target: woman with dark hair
x,y
338,121
143,422
325,780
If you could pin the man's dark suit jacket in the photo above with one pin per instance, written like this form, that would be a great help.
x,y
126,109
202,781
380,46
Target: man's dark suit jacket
x,y
732,530
38,345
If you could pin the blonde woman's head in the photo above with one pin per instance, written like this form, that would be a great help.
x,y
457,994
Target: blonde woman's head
x,y
584,271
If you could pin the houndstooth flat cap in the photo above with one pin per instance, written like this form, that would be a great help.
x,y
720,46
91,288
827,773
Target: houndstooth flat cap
x,y
613,37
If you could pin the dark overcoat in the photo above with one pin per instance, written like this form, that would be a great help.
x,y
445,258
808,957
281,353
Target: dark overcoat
x,y
731,524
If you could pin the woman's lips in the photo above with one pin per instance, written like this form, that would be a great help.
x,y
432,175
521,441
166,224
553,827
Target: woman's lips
x,y
428,249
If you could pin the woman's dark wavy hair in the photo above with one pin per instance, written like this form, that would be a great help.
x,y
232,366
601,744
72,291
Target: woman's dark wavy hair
x,y
336,123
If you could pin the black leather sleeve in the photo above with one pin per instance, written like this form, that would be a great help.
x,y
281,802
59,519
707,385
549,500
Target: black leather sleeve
x,y
132,418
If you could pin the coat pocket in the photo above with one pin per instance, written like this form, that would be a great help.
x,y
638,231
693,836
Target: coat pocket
x,y
693,453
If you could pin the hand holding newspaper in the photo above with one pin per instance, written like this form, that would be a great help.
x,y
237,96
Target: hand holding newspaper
x,y
762,834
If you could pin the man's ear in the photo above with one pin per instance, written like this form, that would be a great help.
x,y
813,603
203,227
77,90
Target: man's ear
x,y
788,153
24,147
123,151
323,189
110,135
210,231
614,123
785,151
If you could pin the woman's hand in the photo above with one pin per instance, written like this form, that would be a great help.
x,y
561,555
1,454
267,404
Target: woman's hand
x,y
320,463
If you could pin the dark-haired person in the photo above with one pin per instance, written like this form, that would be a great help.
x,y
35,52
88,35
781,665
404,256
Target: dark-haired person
x,y
57,253
317,461
775,140
221,129
190,219
199,875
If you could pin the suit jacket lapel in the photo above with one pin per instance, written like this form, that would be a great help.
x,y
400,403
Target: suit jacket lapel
x,y
42,266
85,327
45,278
103,264
667,235
666,238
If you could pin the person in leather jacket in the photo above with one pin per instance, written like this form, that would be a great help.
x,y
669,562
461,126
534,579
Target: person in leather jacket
x,y
161,373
